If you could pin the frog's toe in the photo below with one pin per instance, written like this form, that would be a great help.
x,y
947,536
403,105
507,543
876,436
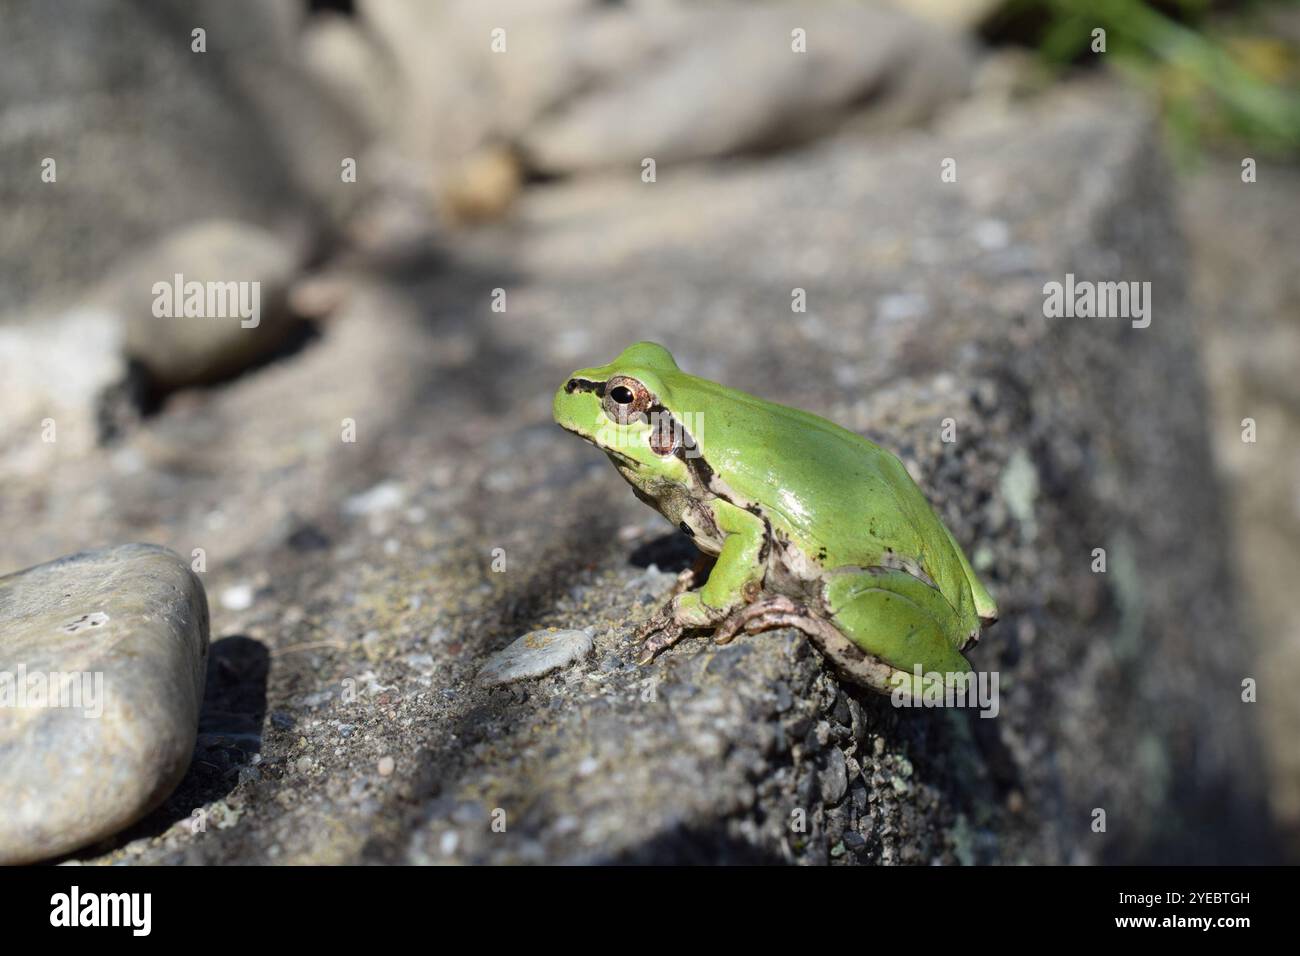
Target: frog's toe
x,y
731,625
656,622
742,618
658,641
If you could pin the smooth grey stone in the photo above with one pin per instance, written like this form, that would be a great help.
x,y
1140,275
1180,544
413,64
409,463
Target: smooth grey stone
x,y
536,653
131,623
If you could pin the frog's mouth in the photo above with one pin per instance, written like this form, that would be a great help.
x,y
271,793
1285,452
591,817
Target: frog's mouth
x,y
617,457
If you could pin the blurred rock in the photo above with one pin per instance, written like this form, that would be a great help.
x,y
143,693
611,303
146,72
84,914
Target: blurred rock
x,y
579,85
78,375
483,187
102,661
56,373
1247,292
347,60
729,83
955,14
148,135
248,270
454,93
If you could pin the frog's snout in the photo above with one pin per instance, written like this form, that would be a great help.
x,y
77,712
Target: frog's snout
x,y
576,406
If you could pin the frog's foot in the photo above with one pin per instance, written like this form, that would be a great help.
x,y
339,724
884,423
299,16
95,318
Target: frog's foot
x,y
740,618
658,634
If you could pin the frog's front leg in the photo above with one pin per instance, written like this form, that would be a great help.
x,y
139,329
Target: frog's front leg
x,y
736,579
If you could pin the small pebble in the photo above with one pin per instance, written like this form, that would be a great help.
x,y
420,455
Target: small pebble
x,y
901,307
535,654
382,497
992,234
834,778
237,598
386,766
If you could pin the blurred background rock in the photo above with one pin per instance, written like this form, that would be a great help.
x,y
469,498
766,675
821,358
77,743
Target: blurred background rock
x,y
493,160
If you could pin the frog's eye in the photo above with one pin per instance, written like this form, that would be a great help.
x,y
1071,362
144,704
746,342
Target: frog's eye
x,y
625,399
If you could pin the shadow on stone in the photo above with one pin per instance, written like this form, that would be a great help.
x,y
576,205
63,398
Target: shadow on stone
x,y
230,733
695,846
670,552
150,395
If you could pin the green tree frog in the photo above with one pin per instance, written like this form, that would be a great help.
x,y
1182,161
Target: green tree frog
x,y
812,526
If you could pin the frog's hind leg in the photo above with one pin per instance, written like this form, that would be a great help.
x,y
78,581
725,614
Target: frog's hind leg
x,y
898,619
876,627
780,611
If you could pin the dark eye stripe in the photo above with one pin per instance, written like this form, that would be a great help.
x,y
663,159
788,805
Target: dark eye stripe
x,y
584,385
